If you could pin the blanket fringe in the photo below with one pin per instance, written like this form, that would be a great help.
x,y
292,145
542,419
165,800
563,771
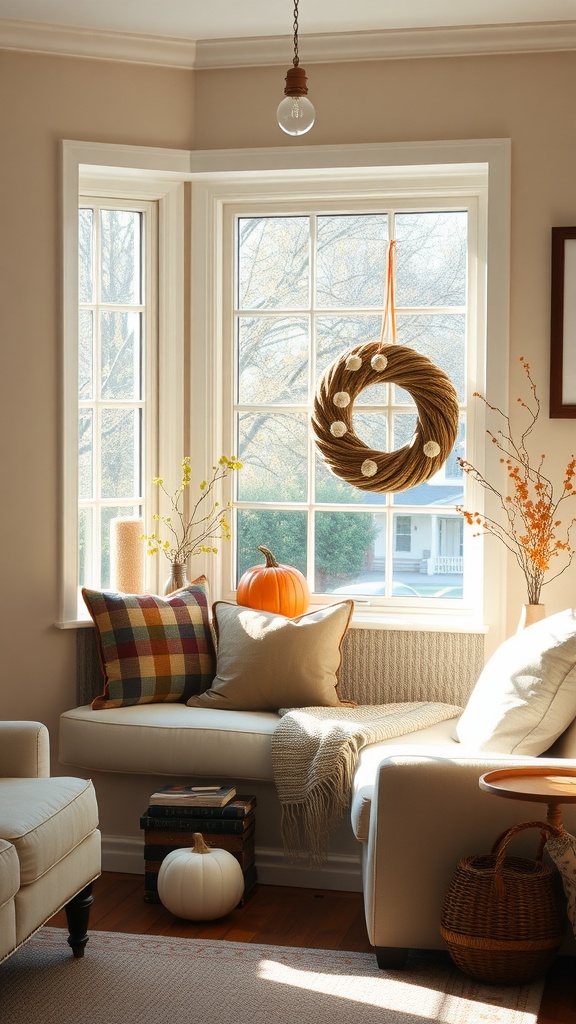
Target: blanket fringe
x,y
315,753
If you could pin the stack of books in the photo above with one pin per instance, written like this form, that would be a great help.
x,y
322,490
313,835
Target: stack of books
x,y
226,820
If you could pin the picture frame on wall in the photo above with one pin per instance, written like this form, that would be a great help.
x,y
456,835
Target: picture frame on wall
x,y
563,324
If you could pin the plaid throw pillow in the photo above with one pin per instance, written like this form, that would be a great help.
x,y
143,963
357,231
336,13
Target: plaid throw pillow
x,y
152,649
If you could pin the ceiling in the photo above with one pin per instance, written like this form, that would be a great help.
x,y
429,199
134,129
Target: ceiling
x,y
219,19
73,25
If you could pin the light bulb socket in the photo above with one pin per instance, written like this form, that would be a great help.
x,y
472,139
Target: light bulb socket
x,y
296,82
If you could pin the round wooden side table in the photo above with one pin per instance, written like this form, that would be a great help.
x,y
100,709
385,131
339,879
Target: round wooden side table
x,y
550,785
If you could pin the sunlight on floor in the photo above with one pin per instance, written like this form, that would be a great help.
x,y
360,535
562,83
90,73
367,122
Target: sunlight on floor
x,y
411,995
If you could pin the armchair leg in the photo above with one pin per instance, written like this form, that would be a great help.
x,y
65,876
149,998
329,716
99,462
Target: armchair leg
x,y
77,915
391,957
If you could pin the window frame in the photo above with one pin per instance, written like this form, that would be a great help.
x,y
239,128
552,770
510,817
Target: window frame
x,y
108,180
221,176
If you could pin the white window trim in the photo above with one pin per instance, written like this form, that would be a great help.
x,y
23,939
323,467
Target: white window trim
x,y
84,173
170,169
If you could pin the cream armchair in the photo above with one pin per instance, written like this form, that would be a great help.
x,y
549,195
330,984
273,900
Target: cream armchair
x,y
49,841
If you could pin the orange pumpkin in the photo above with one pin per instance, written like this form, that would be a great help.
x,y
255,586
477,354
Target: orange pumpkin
x,y
274,587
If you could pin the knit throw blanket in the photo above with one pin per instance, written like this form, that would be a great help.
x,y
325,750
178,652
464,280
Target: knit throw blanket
x,y
314,755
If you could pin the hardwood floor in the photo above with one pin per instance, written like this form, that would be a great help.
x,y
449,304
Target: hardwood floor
x,y
315,918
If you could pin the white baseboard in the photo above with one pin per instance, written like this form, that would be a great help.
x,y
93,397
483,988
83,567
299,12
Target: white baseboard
x,y
341,871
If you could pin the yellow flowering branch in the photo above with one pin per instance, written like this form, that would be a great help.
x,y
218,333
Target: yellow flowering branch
x,y
530,512
190,534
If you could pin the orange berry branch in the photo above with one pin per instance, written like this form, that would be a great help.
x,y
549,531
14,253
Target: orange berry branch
x,y
530,511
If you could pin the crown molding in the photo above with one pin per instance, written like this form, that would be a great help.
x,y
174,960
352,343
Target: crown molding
x,y
476,40
62,40
204,54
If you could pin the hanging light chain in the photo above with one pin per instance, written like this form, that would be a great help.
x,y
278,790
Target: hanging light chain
x,y
296,59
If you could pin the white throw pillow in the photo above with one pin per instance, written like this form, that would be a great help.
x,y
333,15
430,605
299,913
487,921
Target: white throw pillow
x,y
525,696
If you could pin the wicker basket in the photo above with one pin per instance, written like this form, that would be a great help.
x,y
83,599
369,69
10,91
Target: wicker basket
x,y
503,919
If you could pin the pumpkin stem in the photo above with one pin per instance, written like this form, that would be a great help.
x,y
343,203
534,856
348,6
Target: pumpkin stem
x,y
199,844
271,562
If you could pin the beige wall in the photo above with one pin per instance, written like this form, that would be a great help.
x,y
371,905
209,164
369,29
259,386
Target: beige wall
x,y
525,98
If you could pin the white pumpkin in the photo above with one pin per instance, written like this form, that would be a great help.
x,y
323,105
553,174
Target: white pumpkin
x,y
201,883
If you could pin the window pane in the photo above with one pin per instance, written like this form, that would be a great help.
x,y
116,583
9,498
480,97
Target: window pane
x,y
85,534
273,263
442,339
431,251
404,425
452,468
120,343
120,257
335,334
351,260
272,359
428,554
446,487
330,488
120,465
273,450
346,543
284,532
85,255
85,355
85,453
371,428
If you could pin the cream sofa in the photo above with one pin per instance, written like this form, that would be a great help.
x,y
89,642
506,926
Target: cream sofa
x,y
416,806
49,841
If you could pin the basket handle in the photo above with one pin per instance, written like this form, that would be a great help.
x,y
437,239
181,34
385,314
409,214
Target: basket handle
x,y
501,842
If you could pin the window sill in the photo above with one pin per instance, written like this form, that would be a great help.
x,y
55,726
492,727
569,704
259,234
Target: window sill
x,y
74,624
436,622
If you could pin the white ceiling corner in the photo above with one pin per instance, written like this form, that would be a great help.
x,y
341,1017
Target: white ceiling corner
x,y
230,33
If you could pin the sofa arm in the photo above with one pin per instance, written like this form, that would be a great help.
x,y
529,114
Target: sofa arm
x,y
427,813
24,750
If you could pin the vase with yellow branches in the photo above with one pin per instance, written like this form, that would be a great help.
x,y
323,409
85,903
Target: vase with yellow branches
x,y
192,527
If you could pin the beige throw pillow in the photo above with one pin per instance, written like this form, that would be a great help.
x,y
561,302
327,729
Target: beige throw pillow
x,y
266,661
525,696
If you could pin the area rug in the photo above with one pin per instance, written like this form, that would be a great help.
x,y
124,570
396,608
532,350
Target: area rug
x,y
131,979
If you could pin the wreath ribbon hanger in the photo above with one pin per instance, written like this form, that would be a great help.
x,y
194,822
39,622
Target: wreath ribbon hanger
x,y
388,331
378,362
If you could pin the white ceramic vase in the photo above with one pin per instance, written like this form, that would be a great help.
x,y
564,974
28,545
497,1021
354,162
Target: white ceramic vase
x,y
530,614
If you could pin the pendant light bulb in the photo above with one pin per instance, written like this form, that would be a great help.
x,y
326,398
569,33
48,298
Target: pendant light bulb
x,y
295,113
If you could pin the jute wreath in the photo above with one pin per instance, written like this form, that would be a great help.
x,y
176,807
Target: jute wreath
x,y
436,427
377,363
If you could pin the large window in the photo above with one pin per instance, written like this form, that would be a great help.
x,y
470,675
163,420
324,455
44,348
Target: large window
x,y
308,286
204,294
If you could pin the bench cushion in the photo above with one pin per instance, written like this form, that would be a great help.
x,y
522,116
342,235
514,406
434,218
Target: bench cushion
x,y
170,739
9,872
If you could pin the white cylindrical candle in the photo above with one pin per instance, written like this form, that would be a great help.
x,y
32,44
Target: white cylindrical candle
x,y
127,555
